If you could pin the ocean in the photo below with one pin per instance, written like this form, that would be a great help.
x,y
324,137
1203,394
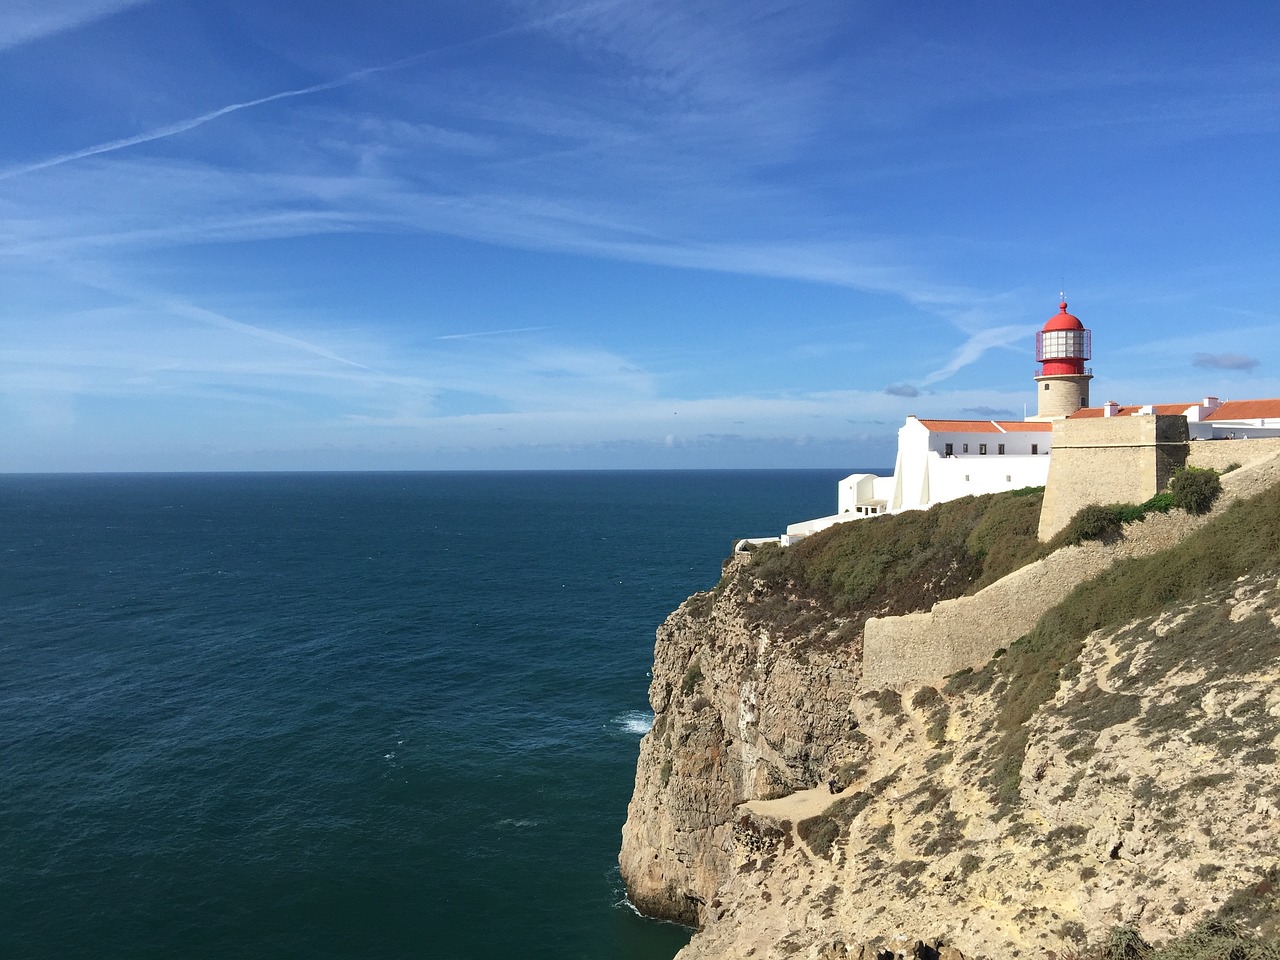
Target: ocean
x,y
341,715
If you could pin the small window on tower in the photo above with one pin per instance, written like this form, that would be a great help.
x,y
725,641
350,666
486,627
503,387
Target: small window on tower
x,y
1046,386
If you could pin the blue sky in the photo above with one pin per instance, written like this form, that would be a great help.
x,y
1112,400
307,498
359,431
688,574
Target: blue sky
x,y
631,233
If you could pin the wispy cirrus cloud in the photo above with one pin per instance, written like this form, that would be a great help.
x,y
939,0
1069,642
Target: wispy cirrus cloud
x,y
30,22
974,346
23,21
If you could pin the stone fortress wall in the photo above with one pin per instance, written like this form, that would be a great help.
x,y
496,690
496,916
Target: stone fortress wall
x,y
967,631
1110,460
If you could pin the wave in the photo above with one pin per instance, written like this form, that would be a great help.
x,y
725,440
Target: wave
x,y
637,722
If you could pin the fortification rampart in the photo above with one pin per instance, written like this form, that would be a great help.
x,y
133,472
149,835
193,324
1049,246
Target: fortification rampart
x,y
1110,460
967,631
1220,454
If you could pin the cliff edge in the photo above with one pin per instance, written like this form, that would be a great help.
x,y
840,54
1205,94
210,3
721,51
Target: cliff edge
x,y
1115,769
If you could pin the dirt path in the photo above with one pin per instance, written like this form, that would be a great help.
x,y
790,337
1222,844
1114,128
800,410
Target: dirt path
x,y
796,806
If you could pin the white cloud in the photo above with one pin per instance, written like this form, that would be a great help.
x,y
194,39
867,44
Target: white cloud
x,y
22,21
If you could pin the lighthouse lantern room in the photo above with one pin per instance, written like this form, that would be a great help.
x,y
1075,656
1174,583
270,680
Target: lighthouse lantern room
x,y
1062,385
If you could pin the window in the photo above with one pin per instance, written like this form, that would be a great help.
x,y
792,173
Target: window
x,y
949,450
1046,386
1008,478
1035,448
982,449
966,478
965,448
1000,449
1062,344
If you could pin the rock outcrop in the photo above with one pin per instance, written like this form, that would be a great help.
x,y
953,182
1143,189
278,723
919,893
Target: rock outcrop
x,y
743,711
787,810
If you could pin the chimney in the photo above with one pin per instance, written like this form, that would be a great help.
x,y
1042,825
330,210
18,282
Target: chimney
x,y
1110,408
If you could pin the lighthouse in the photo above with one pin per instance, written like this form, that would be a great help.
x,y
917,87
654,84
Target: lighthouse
x,y
1062,385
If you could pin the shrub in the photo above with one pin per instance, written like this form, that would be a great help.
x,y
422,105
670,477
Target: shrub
x,y
691,678
1094,522
1125,943
882,566
820,833
968,864
1105,523
1194,490
1245,538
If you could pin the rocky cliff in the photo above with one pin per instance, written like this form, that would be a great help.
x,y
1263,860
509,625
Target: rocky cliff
x,y
1118,766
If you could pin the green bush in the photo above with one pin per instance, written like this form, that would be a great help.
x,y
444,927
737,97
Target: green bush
x,y
899,563
1094,522
1194,490
692,677
1125,943
820,833
1105,523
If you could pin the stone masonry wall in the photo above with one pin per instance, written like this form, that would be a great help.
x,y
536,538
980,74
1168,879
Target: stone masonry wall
x,y
967,631
1218,454
1109,460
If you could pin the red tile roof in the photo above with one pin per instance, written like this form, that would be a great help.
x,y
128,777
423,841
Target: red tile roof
x,y
985,426
1024,426
1167,409
1247,410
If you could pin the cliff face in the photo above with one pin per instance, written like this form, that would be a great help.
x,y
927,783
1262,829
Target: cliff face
x,y
1140,786
742,712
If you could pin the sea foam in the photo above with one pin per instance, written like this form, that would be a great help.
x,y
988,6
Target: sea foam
x,y
638,722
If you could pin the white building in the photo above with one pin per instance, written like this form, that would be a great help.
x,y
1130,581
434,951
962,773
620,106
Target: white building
x,y
941,460
1209,419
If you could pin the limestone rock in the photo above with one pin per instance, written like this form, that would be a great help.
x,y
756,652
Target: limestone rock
x,y
1149,791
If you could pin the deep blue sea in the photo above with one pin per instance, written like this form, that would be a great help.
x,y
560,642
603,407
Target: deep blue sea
x,y
341,715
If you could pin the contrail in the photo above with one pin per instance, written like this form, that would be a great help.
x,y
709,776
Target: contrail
x,y
191,311
489,333
182,126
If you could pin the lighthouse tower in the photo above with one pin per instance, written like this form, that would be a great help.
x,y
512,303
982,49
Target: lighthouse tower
x,y
1062,347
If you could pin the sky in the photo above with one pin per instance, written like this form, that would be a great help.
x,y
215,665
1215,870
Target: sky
x,y
567,234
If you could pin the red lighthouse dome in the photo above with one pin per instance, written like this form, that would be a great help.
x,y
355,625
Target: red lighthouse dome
x,y
1063,345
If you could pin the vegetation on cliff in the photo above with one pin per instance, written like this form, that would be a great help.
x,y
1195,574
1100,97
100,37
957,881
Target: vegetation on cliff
x,y
1244,539
1114,770
899,563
